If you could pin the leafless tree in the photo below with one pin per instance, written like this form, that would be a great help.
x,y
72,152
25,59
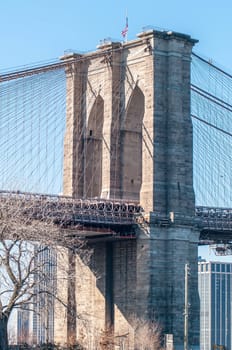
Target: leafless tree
x,y
147,334
142,334
107,340
27,229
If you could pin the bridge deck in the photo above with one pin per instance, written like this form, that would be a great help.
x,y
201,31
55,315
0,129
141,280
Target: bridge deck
x,y
91,217
102,217
215,224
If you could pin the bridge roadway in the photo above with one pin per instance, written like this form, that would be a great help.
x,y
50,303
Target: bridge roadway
x,y
101,218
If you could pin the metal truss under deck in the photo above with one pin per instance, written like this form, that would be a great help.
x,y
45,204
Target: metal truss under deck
x,y
89,218
98,217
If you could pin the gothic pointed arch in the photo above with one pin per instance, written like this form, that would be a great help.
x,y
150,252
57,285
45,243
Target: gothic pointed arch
x,y
131,138
93,149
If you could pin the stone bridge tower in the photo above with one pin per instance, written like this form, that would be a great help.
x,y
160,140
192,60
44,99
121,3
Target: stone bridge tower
x,y
129,136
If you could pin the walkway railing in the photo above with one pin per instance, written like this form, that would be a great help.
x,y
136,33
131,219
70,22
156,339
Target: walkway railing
x,y
212,218
68,211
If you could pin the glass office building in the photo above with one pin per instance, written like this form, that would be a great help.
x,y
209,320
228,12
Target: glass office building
x,y
24,326
214,285
35,320
45,286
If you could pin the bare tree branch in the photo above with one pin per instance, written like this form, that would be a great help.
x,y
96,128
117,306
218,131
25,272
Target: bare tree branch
x,y
27,231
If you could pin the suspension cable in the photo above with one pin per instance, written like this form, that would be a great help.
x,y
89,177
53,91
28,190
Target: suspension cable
x,y
214,98
212,65
210,124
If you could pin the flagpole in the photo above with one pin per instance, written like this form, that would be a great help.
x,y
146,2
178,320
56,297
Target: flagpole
x,y
126,25
125,30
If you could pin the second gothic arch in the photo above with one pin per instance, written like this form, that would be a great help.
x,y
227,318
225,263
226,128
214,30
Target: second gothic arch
x,y
131,141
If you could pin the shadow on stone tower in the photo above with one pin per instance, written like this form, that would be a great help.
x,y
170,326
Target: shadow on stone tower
x,y
129,136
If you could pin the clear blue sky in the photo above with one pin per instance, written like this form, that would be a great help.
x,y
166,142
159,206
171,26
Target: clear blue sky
x,y
33,31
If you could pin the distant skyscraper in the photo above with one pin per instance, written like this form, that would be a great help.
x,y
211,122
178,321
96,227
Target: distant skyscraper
x,y
45,286
35,323
24,326
215,292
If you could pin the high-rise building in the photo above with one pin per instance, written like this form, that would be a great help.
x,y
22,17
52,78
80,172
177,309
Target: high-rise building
x,y
215,292
35,321
45,285
24,326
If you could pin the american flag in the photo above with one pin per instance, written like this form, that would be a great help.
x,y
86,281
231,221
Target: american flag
x,y
125,30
